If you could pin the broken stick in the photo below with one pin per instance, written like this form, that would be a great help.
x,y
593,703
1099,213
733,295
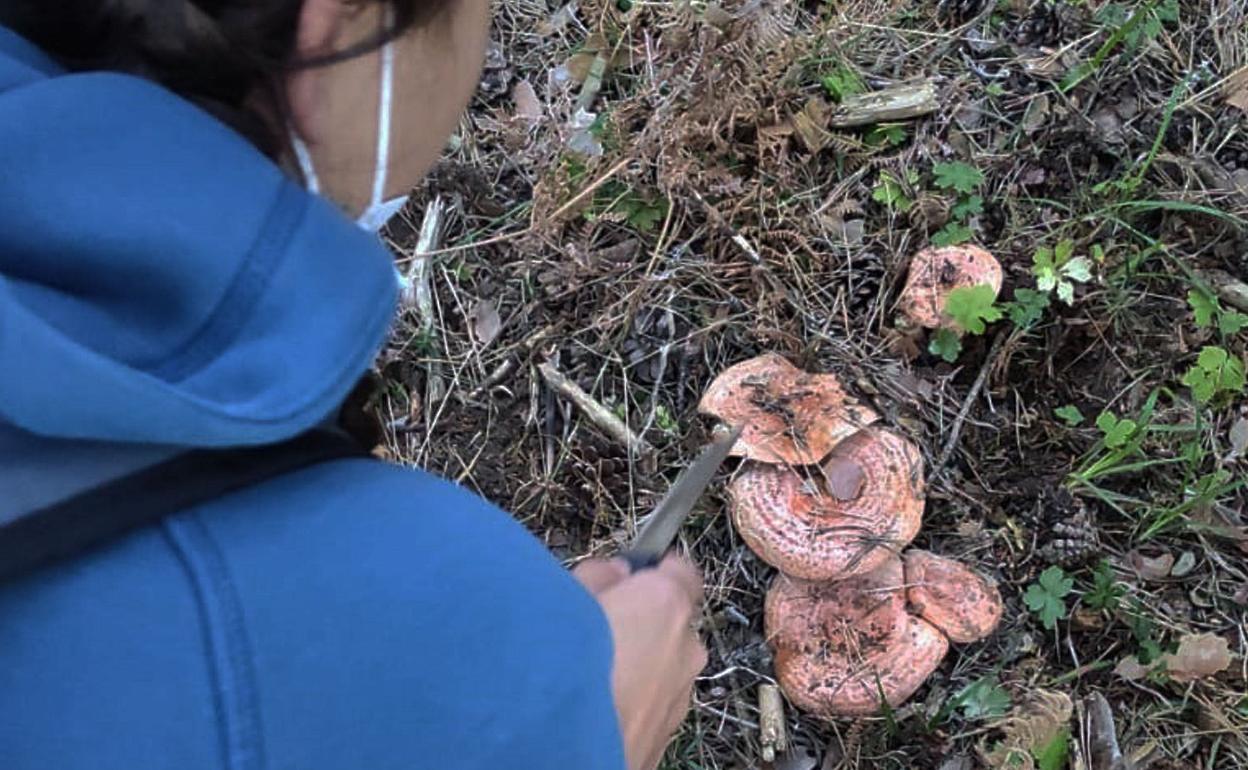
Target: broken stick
x,y
598,414
418,292
771,731
902,102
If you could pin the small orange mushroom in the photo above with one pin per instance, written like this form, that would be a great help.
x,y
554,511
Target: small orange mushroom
x,y
790,416
843,646
791,520
951,596
934,273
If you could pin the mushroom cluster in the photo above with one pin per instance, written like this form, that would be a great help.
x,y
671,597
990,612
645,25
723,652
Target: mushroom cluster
x,y
831,500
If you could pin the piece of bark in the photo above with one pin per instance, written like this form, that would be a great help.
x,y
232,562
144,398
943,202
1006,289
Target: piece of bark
x,y
902,102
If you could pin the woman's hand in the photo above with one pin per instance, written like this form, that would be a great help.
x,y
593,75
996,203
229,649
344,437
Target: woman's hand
x,y
657,653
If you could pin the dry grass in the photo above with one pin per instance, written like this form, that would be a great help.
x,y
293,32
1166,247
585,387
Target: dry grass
x,y
712,233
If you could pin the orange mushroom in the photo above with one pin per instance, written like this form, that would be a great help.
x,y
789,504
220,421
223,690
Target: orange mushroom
x,y
791,520
951,596
934,273
790,416
842,647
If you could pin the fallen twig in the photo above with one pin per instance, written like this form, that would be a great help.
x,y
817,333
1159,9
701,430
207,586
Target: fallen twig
x,y
418,292
771,731
504,237
718,220
951,443
903,102
598,414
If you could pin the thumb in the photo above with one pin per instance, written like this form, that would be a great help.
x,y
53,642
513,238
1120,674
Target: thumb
x,y
598,575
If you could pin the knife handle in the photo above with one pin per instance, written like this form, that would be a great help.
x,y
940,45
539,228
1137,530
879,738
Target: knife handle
x,y
638,561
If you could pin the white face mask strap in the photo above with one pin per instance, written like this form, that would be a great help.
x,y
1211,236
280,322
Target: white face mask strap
x,y
304,156
385,98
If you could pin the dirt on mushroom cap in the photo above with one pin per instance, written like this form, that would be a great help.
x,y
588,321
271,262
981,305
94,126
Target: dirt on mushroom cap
x,y
934,273
840,644
951,596
792,522
790,416
855,616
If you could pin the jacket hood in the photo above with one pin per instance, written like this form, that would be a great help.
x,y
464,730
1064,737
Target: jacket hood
x,y
161,281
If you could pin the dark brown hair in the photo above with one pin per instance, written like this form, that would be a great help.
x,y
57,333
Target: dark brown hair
x,y
222,55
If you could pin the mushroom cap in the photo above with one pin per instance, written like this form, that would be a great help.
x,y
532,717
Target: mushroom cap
x,y
840,645
861,614
952,596
795,524
934,273
790,416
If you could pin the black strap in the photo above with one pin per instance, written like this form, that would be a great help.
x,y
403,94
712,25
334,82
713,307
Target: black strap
x,y
148,495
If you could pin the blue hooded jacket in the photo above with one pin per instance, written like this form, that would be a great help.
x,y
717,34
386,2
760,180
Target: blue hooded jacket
x,y
163,286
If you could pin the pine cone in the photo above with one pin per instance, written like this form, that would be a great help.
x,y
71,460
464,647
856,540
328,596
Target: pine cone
x,y
1046,25
642,349
930,212
955,12
1073,538
868,275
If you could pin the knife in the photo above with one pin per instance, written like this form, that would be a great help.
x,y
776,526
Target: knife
x,y
660,529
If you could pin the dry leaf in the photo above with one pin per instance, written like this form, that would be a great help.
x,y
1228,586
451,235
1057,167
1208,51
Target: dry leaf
x,y
716,16
1235,89
486,323
1105,754
795,759
1199,656
558,21
811,124
1240,596
833,754
578,64
1087,619
1131,669
1184,566
1036,114
1151,567
528,106
1029,727
845,477
1239,437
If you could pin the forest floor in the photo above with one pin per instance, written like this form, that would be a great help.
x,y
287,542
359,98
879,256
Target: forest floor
x,y
644,193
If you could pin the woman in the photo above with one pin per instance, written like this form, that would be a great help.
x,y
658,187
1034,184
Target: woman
x,y
169,287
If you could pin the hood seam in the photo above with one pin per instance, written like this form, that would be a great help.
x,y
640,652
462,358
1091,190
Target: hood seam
x,y
226,645
237,303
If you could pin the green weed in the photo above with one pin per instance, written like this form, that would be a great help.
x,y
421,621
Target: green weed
x,y
1046,597
1106,592
1059,269
1070,415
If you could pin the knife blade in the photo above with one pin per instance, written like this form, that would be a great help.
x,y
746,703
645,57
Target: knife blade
x,y
660,529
